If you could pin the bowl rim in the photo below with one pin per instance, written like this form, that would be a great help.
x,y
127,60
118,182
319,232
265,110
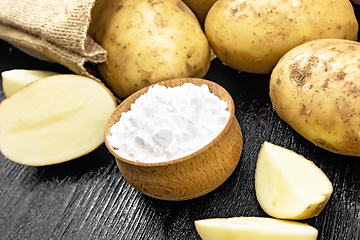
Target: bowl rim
x,y
131,99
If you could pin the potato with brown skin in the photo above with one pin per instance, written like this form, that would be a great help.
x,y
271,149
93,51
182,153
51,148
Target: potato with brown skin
x,y
147,42
315,88
200,8
251,36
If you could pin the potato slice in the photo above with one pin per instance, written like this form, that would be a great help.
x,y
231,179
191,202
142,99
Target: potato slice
x,y
14,80
254,228
288,185
54,119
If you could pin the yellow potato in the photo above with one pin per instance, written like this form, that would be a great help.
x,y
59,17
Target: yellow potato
x,y
251,36
148,42
315,88
200,8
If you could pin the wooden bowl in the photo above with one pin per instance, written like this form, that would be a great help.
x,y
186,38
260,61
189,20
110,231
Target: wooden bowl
x,y
193,175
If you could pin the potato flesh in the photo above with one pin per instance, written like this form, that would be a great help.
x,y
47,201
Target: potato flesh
x,y
148,42
14,80
315,89
254,228
252,36
54,120
288,185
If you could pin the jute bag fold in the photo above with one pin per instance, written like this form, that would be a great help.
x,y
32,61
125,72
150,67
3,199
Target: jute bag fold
x,y
52,30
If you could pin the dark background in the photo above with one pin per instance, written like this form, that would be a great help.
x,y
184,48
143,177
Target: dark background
x,y
87,198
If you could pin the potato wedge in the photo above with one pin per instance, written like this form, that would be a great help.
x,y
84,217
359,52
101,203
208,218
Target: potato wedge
x,y
254,228
289,186
54,119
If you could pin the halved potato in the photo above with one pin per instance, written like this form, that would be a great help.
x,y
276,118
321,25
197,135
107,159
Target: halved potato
x,y
54,119
254,228
288,185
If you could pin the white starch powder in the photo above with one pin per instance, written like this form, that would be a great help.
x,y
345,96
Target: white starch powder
x,y
168,123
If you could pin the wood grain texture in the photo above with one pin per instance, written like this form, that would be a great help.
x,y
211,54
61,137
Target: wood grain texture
x,y
87,198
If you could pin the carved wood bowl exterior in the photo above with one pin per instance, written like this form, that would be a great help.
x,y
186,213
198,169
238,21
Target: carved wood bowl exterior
x,y
193,175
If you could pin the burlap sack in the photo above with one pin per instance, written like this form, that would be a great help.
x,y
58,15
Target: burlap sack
x,y
53,30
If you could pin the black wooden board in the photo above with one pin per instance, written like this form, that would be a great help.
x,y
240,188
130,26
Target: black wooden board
x,y
87,198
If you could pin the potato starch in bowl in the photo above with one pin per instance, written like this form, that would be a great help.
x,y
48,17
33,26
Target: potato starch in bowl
x,y
168,123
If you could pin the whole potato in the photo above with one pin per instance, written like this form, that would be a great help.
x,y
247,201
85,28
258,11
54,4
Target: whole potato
x,y
251,36
200,8
315,88
147,42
